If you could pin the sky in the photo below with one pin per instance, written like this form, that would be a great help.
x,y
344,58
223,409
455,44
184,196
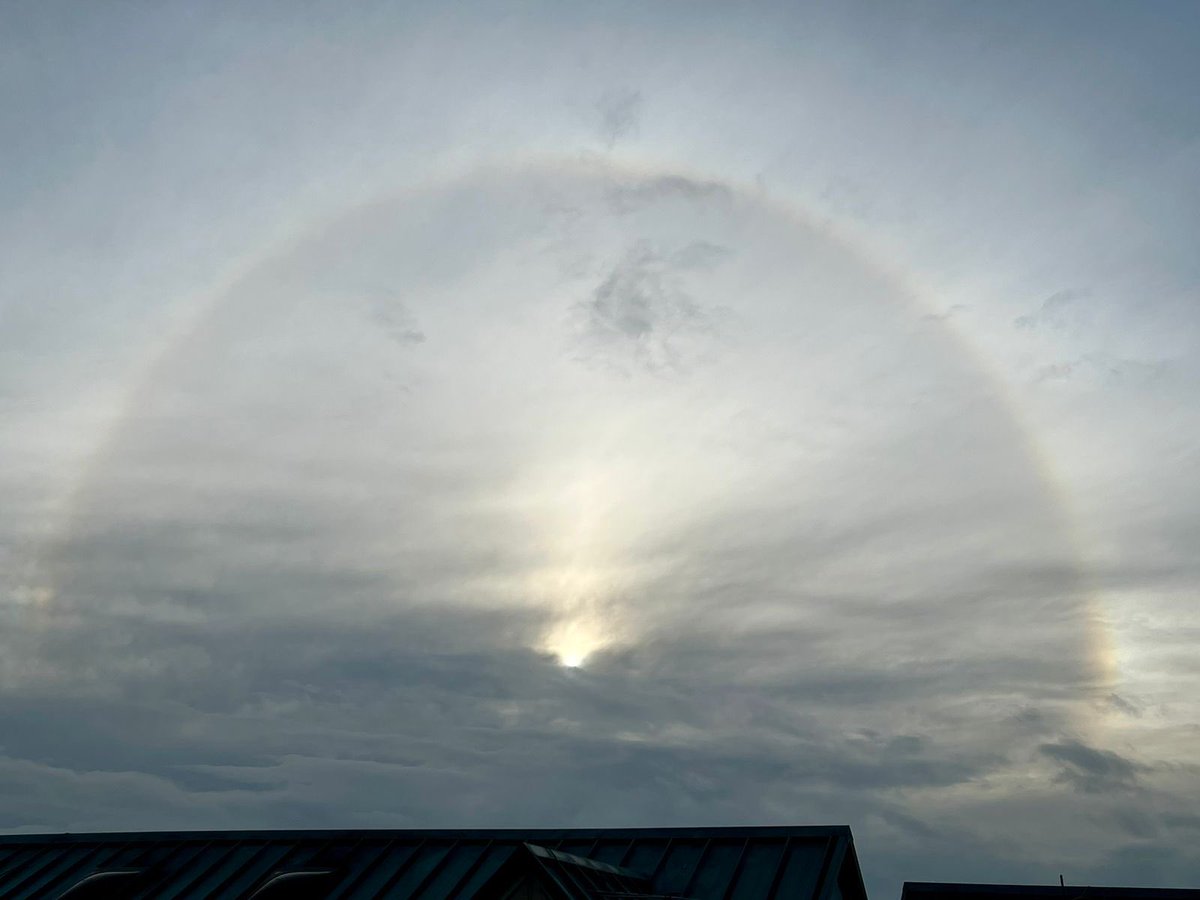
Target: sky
x,y
562,414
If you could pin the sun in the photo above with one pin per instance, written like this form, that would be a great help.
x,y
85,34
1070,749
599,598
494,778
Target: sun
x,y
573,642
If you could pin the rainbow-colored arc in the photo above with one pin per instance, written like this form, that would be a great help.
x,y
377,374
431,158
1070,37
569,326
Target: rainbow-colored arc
x,y
1099,641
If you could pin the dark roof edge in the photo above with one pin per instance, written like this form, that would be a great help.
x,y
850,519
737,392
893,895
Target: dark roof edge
x,y
516,834
852,870
831,868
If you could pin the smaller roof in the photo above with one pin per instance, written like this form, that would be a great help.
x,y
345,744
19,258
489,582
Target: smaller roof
x,y
931,890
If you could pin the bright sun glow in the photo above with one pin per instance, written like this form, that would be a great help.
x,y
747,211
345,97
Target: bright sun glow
x,y
575,639
572,642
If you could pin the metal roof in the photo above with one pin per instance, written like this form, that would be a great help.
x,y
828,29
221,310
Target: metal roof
x,y
932,890
806,863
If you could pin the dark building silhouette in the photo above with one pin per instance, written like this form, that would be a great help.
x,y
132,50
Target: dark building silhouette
x,y
807,863
776,863
921,890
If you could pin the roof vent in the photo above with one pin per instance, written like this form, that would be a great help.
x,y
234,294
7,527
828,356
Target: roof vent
x,y
102,885
305,884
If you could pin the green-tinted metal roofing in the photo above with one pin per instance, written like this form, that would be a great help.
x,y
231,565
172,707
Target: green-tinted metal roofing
x,y
805,863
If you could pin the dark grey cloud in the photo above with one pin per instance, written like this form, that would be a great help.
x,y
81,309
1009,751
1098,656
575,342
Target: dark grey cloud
x,y
1124,704
1093,770
351,714
219,704
1149,861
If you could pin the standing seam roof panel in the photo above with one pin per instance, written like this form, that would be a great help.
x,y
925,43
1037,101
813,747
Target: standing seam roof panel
x,y
495,858
371,854
380,875
413,877
758,871
99,858
716,875
73,859
256,870
706,864
453,869
27,869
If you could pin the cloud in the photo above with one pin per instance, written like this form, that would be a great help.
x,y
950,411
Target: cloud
x,y
620,114
846,198
397,323
1092,770
254,720
641,314
1124,705
1106,368
285,598
1146,861
1058,312
1056,371
703,255
628,198
347,622
951,311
